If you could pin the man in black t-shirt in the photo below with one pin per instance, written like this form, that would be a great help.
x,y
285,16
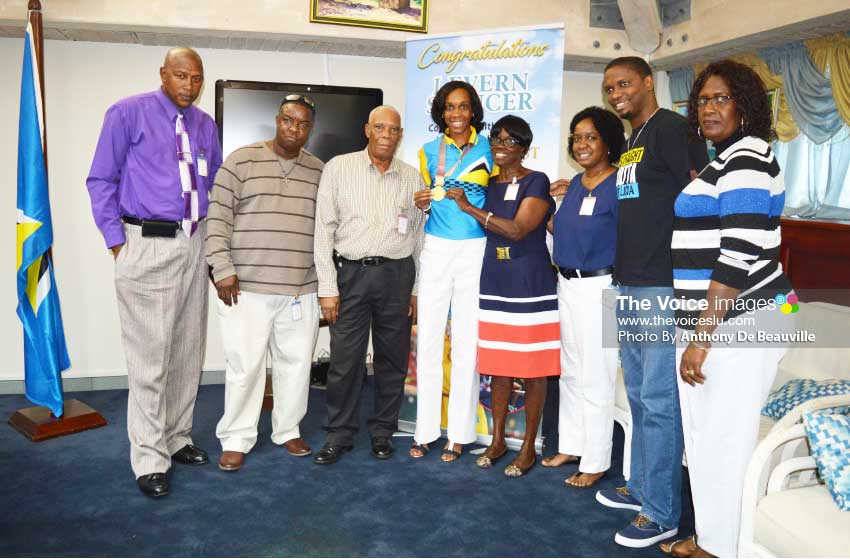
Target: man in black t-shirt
x,y
657,164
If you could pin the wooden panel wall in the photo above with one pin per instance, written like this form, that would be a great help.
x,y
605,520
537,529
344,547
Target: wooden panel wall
x,y
816,255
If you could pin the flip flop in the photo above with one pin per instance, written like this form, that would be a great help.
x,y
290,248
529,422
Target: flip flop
x,y
680,548
574,477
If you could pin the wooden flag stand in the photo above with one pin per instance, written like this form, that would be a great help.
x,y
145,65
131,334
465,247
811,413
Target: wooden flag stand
x,y
38,423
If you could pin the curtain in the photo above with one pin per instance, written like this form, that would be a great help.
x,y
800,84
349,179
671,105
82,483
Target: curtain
x,y
681,82
817,179
807,90
831,55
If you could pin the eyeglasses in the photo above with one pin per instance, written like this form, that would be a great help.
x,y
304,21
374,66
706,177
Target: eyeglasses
x,y
295,98
718,100
507,142
587,138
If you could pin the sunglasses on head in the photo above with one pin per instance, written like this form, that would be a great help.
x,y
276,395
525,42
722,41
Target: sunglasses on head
x,y
294,97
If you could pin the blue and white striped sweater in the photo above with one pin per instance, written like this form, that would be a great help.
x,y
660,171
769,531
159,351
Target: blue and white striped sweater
x,y
726,225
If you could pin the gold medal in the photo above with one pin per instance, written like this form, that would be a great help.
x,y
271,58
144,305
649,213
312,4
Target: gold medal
x,y
438,193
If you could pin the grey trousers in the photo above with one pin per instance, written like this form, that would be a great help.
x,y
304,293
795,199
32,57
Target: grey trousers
x,y
161,284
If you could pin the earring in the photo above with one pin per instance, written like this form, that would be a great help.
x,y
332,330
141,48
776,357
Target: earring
x,y
743,124
699,132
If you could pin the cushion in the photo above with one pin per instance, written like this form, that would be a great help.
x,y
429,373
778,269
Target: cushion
x,y
802,523
796,391
829,440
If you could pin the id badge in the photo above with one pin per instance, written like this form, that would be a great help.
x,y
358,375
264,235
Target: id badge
x,y
202,165
296,310
512,190
403,222
587,205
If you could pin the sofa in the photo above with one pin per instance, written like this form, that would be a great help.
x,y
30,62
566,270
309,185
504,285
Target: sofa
x,y
785,511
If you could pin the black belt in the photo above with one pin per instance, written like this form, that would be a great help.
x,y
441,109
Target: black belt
x,y
570,273
367,261
154,227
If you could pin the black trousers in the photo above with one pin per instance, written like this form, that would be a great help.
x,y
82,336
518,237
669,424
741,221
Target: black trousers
x,y
376,297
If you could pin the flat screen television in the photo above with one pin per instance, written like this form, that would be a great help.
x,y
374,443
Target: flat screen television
x,y
245,113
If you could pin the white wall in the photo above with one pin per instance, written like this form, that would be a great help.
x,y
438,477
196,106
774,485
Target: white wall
x,y
82,80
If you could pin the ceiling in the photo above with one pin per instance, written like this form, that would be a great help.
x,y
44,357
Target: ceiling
x,y
65,31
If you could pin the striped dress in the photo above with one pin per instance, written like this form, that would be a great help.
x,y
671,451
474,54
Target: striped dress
x,y
518,329
726,229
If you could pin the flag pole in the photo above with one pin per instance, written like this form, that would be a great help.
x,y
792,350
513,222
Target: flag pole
x,y
34,15
38,423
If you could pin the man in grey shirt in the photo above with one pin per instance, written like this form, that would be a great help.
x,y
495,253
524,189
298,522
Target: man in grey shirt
x,y
368,237
260,246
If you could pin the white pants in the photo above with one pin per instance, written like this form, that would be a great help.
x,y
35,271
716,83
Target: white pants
x,y
720,423
588,374
255,325
449,274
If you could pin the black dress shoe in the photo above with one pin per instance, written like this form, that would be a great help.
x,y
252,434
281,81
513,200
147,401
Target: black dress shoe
x,y
153,485
330,453
382,448
190,455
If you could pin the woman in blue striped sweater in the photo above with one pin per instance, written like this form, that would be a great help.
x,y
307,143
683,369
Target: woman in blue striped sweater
x,y
725,253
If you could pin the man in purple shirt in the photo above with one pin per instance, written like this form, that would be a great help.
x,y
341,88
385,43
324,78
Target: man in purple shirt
x,y
149,186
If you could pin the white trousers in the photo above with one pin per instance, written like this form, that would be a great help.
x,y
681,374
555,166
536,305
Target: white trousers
x,y
449,275
255,325
720,423
588,374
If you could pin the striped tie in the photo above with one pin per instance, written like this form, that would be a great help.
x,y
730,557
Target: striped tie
x,y
187,178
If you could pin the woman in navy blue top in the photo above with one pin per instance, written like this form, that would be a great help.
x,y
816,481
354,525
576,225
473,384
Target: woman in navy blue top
x,y
585,238
518,308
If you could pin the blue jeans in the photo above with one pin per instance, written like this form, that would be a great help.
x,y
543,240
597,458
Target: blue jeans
x,y
649,370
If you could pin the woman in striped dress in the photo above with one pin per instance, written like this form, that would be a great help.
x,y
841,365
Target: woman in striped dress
x,y
725,252
518,327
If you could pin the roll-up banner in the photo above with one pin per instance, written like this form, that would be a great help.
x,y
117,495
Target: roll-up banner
x,y
515,71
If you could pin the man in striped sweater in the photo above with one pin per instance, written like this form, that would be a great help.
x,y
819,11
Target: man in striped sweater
x,y
260,247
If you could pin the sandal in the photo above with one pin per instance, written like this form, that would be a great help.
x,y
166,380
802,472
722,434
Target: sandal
x,y
516,471
555,461
681,548
573,479
485,462
449,454
422,449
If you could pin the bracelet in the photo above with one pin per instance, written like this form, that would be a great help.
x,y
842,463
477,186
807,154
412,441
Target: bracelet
x,y
487,221
696,345
428,209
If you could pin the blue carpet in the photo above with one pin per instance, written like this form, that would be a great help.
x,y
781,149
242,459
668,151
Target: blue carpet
x,y
75,496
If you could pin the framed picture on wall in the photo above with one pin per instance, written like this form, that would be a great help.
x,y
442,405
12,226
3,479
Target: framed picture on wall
x,y
681,107
398,15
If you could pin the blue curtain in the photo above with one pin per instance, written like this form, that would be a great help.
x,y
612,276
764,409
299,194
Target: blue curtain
x,y
809,92
817,179
681,82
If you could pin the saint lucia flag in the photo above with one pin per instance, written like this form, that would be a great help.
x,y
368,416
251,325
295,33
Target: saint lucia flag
x,y
45,354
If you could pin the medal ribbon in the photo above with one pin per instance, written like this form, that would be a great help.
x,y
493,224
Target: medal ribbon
x,y
441,162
